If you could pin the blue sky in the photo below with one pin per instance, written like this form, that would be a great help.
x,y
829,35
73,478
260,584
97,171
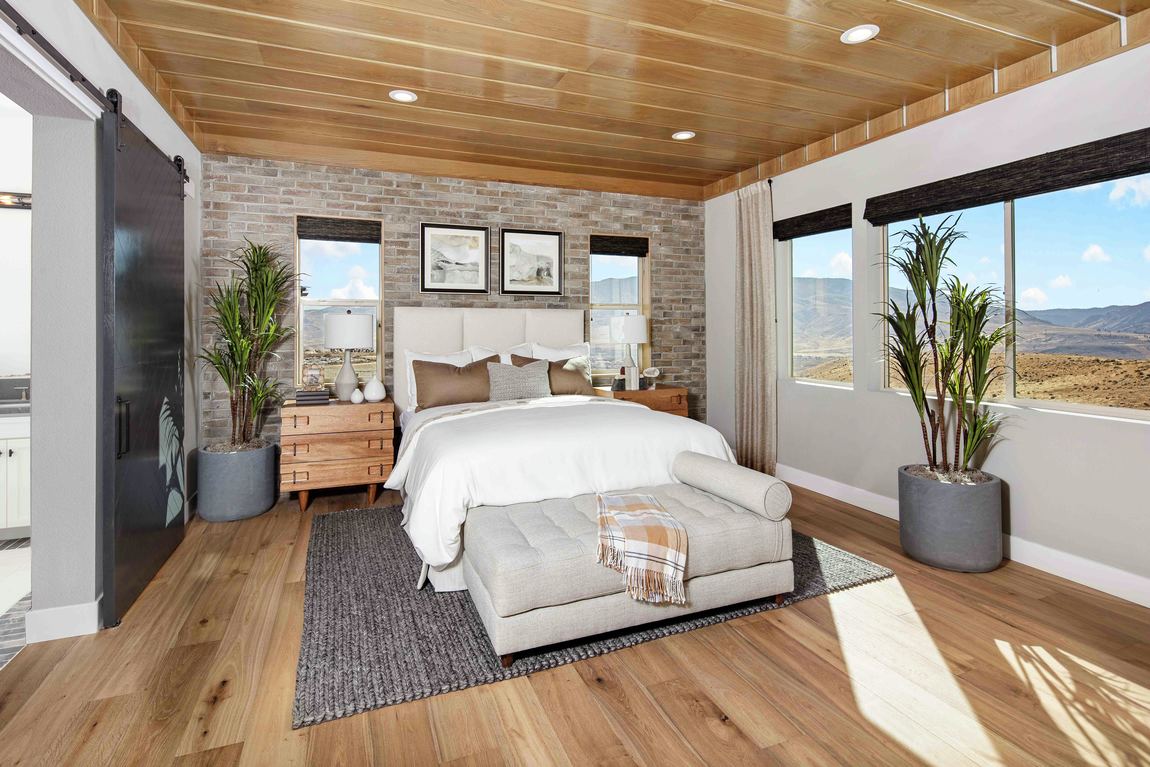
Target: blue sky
x,y
605,267
1077,248
339,270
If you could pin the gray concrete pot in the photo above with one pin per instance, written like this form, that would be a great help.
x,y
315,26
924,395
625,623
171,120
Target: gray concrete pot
x,y
236,485
955,527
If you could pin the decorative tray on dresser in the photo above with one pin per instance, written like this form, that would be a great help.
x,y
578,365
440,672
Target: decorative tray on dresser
x,y
339,444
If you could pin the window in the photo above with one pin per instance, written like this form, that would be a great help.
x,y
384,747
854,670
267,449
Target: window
x,y
821,299
337,274
978,260
618,288
1082,278
1078,261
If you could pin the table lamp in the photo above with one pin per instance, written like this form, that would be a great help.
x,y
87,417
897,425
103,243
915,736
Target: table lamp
x,y
348,331
627,330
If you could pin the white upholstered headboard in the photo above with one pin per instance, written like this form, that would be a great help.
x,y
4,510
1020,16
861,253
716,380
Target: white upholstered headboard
x,y
438,330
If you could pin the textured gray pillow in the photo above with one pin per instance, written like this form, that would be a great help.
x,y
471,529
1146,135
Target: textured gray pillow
x,y
527,382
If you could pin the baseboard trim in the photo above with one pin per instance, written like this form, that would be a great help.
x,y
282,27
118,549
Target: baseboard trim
x,y
51,623
1087,572
856,496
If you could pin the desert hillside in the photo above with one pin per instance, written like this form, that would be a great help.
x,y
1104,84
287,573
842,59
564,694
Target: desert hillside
x,y
1061,377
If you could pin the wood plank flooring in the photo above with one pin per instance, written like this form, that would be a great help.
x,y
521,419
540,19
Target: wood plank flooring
x,y
1011,667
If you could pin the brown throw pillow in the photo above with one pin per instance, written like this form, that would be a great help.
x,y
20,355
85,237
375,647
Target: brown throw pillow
x,y
441,383
571,376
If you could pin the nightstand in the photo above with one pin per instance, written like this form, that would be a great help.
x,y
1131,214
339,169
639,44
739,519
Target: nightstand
x,y
340,444
668,399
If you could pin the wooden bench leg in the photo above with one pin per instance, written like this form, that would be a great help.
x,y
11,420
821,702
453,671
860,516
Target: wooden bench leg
x,y
372,489
779,599
506,660
303,498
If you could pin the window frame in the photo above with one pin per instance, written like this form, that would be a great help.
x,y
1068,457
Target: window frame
x,y
643,307
787,347
1010,398
299,303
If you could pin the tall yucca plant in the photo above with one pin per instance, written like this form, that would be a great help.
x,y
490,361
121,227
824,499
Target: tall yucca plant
x,y
248,319
943,359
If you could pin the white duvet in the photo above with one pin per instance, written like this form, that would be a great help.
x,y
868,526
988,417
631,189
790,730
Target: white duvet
x,y
458,457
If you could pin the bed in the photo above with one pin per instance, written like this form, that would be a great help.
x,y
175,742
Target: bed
x,y
457,457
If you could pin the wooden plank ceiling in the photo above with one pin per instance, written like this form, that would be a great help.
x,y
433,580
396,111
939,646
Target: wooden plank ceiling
x,y
582,93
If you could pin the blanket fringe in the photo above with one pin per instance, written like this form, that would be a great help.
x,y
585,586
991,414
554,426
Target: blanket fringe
x,y
654,587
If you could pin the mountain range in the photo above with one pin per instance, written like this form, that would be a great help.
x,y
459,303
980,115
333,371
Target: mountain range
x,y
822,324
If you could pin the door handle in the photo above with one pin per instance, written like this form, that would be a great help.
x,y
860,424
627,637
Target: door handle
x,y
123,427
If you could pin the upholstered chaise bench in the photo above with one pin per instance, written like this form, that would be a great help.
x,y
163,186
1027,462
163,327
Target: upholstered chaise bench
x,y
532,574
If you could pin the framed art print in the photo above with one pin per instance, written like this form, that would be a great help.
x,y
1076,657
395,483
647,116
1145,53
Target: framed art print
x,y
530,262
453,259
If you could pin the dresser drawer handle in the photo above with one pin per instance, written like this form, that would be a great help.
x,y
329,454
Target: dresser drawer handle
x,y
374,470
296,419
377,414
298,447
299,476
375,444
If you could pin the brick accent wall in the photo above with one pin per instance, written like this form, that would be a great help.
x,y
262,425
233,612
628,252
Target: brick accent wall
x,y
259,199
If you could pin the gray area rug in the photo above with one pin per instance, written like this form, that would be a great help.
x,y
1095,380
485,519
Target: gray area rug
x,y
371,640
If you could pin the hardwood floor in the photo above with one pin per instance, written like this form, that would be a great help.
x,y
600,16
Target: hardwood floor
x,y
1010,667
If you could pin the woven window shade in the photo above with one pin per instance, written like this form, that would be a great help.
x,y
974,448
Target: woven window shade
x,y
825,220
610,245
338,229
1125,155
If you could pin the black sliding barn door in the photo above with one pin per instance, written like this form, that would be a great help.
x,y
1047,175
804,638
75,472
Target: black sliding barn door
x,y
142,365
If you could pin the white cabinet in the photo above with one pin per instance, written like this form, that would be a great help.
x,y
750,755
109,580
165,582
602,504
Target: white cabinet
x,y
15,483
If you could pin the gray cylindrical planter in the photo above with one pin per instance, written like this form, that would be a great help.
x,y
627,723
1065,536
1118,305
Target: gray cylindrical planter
x,y
952,526
236,485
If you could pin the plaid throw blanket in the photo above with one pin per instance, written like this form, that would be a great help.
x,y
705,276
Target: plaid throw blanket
x,y
638,538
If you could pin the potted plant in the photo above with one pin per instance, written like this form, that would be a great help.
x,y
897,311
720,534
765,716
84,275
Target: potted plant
x,y
237,478
950,512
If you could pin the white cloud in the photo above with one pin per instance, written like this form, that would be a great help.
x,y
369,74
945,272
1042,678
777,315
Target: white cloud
x,y
357,273
355,289
841,264
1087,188
1062,281
329,248
809,273
1146,253
984,260
1095,255
1137,189
1032,298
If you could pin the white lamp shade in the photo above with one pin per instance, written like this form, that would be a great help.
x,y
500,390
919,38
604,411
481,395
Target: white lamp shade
x,y
630,329
349,331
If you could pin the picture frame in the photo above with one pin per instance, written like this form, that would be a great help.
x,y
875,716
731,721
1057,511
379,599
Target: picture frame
x,y
453,259
530,262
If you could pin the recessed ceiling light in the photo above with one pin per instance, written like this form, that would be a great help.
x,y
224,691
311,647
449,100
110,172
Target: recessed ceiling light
x,y
683,135
402,96
859,34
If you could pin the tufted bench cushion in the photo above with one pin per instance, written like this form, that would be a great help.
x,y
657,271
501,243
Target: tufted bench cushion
x,y
533,555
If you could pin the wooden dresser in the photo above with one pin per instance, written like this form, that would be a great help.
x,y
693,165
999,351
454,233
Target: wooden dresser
x,y
336,445
668,399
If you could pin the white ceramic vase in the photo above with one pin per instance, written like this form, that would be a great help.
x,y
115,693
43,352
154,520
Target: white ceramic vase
x,y
374,390
357,397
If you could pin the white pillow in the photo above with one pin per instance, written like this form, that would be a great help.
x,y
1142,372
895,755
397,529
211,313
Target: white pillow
x,y
554,354
483,352
459,359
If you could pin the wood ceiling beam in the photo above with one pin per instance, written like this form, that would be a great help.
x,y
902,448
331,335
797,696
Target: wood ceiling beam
x,y
430,166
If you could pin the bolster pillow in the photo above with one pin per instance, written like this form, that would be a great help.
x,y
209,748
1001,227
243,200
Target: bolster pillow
x,y
755,491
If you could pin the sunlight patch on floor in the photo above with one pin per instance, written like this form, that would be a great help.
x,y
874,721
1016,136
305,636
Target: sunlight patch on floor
x,y
901,682
15,576
1090,704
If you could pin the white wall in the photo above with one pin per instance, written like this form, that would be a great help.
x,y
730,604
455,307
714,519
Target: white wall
x,y
1078,503
719,274
65,586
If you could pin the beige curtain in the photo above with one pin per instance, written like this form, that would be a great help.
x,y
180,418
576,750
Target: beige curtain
x,y
755,341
